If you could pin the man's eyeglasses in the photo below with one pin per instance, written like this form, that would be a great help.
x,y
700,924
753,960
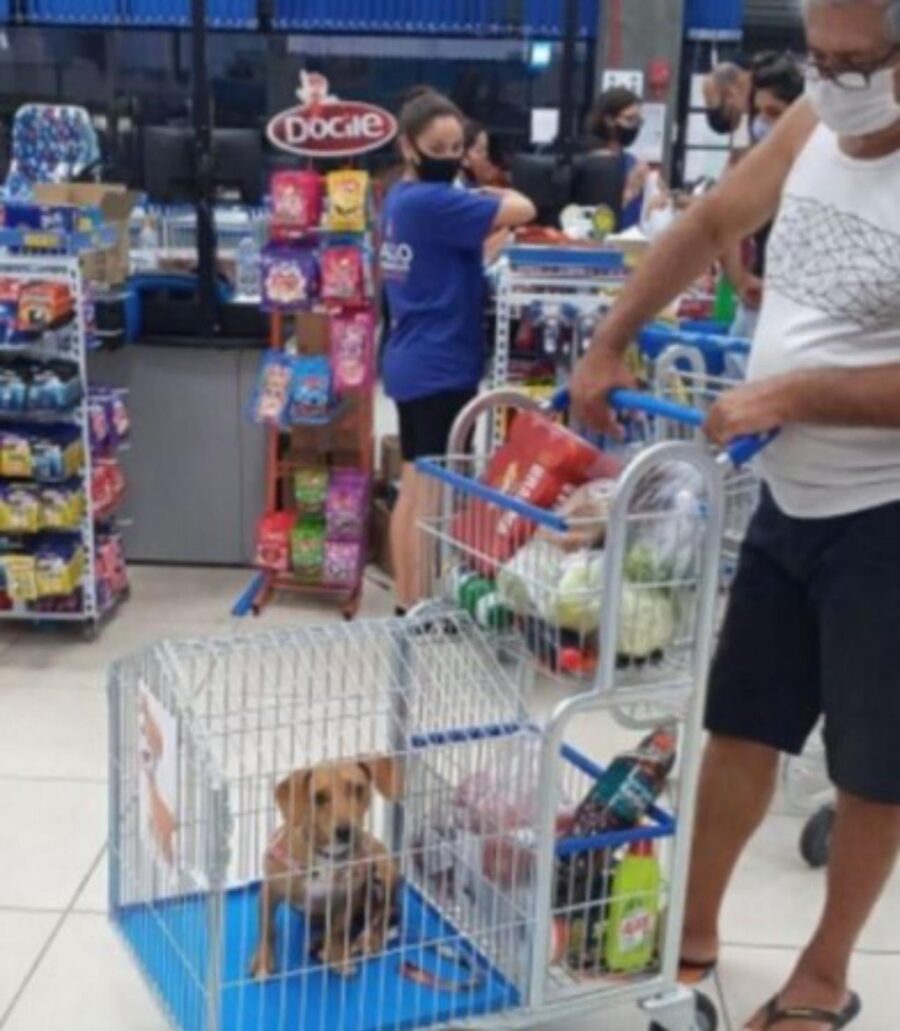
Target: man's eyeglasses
x,y
851,77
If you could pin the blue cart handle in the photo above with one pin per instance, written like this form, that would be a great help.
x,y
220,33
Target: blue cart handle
x,y
740,451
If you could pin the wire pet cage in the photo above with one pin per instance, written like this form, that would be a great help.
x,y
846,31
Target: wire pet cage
x,y
202,733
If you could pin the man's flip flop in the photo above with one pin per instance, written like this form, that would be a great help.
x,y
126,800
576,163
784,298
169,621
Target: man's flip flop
x,y
694,971
775,1014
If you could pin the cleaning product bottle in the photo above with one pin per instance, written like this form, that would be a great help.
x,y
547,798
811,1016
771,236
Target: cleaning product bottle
x,y
631,931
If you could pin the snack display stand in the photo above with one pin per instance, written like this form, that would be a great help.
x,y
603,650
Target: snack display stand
x,y
315,394
61,557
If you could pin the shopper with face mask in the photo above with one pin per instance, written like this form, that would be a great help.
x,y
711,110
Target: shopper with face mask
x,y
614,125
433,235
778,82
814,610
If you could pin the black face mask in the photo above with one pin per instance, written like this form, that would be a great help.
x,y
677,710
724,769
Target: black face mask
x,y
627,134
437,170
720,121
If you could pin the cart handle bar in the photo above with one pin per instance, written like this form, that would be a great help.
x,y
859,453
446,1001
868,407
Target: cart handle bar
x,y
739,452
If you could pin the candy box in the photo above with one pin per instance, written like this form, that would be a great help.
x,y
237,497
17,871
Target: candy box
x,y
61,506
296,203
271,395
343,561
273,541
343,275
308,552
353,350
311,392
311,490
290,277
348,201
43,304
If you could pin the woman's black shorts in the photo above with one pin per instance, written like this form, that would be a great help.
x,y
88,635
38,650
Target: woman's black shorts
x,y
812,630
425,423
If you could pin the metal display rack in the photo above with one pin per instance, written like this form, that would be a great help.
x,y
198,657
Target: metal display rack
x,y
578,285
67,341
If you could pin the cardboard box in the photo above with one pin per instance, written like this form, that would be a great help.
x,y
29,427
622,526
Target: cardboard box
x,y
391,459
110,267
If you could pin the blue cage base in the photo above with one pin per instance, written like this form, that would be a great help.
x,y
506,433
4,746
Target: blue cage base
x,y
170,941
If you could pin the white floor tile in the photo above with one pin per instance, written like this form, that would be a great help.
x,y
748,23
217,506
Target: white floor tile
x,y
50,834
776,899
53,732
93,897
22,936
751,977
86,981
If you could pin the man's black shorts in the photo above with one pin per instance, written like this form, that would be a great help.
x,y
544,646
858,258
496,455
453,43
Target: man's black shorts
x,y
812,629
425,423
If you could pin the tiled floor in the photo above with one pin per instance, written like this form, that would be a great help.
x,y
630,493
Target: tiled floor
x,y
61,966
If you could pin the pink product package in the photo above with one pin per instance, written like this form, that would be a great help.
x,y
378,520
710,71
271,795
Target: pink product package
x,y
353,350
343,560
346,505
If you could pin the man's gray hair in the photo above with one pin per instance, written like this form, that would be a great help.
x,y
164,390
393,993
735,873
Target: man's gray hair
x,y
891,6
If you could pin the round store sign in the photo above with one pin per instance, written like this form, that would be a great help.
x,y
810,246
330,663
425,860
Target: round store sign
x,y
322,126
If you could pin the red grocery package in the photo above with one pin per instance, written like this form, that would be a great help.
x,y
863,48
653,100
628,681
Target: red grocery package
x,y
541,463
273,541
296,202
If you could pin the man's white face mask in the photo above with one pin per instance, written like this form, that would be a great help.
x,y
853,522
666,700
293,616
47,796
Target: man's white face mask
x,y
855,112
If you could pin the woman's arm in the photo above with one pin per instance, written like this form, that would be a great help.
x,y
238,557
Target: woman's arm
x,y
515,209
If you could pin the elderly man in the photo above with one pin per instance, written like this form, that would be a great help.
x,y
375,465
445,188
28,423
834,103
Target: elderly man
x,y
812,627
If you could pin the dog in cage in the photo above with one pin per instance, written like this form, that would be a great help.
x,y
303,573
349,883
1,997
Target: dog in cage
x,y
323,862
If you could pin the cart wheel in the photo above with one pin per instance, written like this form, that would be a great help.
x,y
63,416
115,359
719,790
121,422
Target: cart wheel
x,y
707,1018
815,841
349,615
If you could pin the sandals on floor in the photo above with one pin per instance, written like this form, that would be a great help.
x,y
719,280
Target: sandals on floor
x,y
692,971
775,1014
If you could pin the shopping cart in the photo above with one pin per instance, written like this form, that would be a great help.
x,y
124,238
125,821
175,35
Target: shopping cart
x,y
633,636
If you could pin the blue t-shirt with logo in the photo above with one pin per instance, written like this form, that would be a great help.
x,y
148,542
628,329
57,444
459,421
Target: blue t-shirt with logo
x,y
432,265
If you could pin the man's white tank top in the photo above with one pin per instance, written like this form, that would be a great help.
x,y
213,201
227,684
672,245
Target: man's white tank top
x,y
832,298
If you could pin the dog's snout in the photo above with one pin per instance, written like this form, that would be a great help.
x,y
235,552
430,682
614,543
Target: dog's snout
x,y
343,833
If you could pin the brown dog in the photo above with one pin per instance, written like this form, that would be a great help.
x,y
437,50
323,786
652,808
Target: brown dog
x,y
324,863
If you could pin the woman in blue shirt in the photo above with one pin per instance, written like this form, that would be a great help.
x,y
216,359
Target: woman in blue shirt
x,y
433,238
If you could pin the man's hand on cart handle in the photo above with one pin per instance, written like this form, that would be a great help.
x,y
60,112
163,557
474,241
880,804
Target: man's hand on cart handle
x,y
748,410
594,378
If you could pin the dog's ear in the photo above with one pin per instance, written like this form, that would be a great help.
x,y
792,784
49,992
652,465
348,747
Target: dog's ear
x,y
387,776
291,796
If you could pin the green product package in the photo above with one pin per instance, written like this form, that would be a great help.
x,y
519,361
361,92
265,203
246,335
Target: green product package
x,y
311,490
308,551
633,924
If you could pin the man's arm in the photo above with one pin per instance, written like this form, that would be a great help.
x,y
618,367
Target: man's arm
x,y
826,397
746,199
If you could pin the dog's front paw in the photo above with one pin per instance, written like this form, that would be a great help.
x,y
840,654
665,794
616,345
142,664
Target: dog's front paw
x,y
369,943
263,964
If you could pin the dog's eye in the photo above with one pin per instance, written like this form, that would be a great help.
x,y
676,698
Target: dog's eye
x,y
321,798
361,791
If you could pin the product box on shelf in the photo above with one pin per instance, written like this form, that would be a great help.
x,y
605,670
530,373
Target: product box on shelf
x,y
110,267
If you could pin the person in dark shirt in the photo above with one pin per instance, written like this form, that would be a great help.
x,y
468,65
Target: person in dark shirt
x,y
433,236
